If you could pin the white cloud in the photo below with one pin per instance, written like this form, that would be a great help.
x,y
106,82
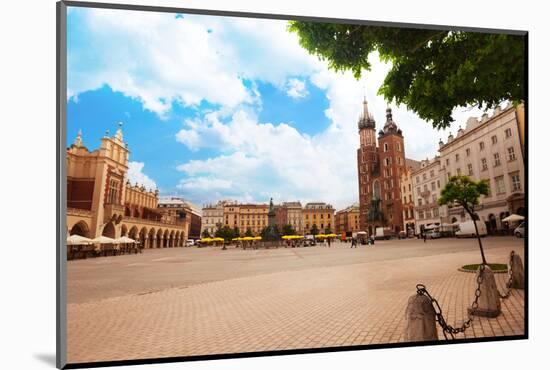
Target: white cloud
x,y
296,88
159,59
135,175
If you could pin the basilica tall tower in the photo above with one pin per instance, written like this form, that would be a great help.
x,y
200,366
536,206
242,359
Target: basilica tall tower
x,y
379,173
367,163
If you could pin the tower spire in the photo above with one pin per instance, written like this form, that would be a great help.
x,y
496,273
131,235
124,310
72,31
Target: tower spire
x,y
366,120
78,139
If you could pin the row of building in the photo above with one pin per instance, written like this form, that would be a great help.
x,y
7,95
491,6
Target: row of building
x,y
254,217
402,193
102,202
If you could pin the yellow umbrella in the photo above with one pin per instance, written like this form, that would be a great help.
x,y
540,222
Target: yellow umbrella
x,y
257,238
331,235
320,236
286,237
206,240
248,238
218,240
237,239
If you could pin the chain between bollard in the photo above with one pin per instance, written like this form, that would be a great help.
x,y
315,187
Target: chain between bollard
x,y
449,330
510,278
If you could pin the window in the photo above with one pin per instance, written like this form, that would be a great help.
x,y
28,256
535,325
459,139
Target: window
x,y
489,188
385,147
467,152
483,164
410,187
424,176
494,139
516,184
457,157
511,154
499,181
470,169
421,214
497,159
113,192
448,175
418,190
432,173
398,147
481,145
425,187
387,161
428,214
434,198
508,133
433,185
438,184
435,212
447,162
420,202
417,179
458,172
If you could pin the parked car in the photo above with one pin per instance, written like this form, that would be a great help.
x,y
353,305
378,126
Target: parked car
x,y
467,229
520,230
433,234
402,235
189,243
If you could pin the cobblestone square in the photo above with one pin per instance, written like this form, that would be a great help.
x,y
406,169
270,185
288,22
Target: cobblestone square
x,y
196,301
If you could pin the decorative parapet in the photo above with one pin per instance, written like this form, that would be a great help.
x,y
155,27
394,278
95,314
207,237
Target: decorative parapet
x,y
153,222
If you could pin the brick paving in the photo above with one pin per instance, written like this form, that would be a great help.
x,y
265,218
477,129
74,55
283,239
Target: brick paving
x,y
181,302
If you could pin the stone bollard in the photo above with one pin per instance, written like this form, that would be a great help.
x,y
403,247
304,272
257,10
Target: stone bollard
x,y
489,300
518,274
420,316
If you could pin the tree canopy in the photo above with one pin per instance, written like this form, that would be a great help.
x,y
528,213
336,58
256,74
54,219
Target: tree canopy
x,y
288,230
463,191
432,71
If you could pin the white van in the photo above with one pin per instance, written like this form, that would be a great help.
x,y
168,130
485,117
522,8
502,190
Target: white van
x,y
467,229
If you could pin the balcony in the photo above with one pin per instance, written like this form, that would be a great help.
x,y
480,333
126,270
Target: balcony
x,y
111,210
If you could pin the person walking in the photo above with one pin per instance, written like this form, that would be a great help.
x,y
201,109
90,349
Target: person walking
x,y
353,243
424,236
328,241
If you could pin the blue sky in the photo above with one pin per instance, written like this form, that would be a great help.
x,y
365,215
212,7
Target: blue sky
x,y
215,108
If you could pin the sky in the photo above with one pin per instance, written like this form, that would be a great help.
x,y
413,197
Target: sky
x,y
225,107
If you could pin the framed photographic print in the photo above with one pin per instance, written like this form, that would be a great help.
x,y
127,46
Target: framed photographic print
x,y
234,184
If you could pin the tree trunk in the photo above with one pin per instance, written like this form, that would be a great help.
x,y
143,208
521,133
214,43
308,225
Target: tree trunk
x,y
474,216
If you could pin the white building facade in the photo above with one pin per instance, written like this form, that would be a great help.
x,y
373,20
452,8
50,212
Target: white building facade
x,y
490,149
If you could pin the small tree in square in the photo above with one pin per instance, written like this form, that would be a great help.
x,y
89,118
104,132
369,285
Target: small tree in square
x,y
205,234
288,230
248,232
465,192
314,230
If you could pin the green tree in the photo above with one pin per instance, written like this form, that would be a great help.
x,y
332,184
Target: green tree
x,y
328,230
314,230
225,232
236,232
465,192
248,232
288,230
205,234
432,71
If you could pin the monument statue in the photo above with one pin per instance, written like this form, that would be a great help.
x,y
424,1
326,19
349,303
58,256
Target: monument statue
x,y
271,233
